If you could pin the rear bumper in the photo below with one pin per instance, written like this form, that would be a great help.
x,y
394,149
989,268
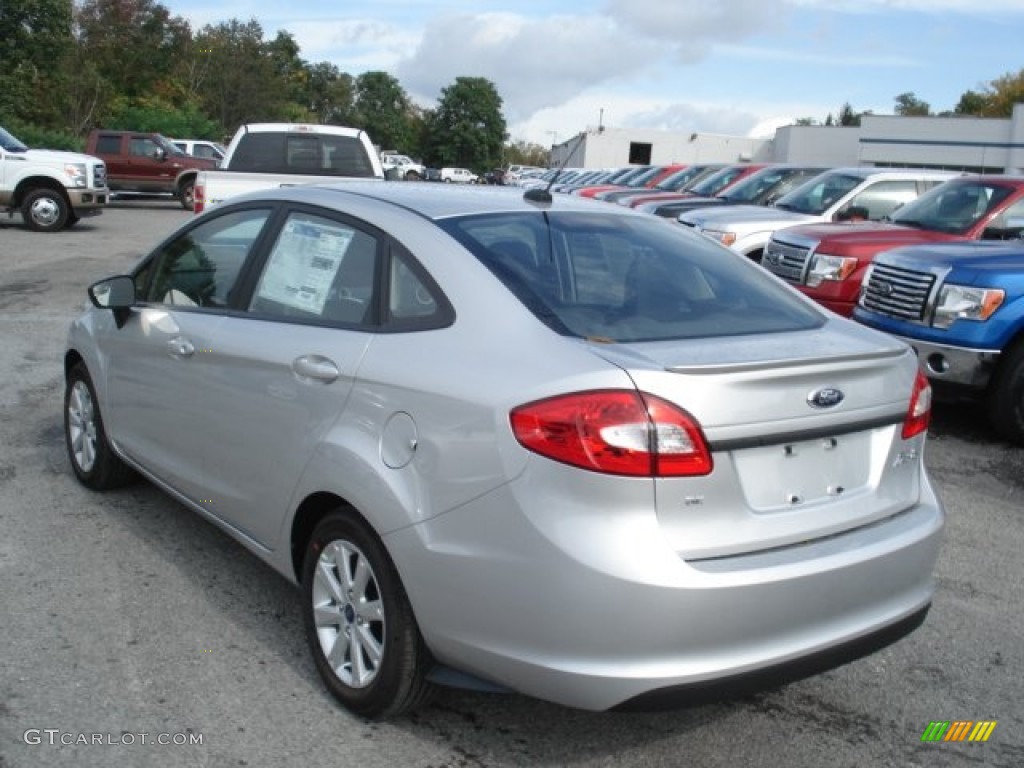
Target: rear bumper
x,y
737,686
591,609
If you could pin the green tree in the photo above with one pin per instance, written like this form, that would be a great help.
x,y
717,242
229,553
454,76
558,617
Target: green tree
x,y
383,110
238,83
35,38
330,94
467,128
908,105
971,103
847,117
995,98
805,121
1002,93
524,153
134,44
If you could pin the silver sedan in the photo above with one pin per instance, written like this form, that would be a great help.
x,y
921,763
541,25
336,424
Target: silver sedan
x,y
499,441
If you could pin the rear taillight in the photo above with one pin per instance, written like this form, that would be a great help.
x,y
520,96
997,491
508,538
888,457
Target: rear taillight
x,y
920,412
617,432
198,199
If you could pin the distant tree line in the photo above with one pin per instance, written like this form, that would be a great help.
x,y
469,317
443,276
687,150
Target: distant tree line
x,y
67,67
994,99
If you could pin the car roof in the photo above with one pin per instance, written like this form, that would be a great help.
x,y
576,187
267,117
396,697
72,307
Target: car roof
x,y
433,201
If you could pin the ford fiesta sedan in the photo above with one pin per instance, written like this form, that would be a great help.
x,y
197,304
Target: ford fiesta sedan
x,y
553,447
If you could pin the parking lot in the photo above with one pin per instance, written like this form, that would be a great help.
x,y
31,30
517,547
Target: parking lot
x,y
134,633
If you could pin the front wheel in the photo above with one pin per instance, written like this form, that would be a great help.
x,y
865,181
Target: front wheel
x,y
412,176
93,460
45,210
1006,405
360,626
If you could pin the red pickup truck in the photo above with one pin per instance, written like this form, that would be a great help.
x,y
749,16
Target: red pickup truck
x,y
147,162
828,261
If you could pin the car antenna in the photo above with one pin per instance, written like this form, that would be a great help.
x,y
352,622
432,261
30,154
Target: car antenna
x,y
536,195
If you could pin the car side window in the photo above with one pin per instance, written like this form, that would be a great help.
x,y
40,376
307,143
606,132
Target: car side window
x,y
884,197
143,147
202,266
319,270
409,297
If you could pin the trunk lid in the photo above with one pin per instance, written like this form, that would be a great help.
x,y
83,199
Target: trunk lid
x,y
804,430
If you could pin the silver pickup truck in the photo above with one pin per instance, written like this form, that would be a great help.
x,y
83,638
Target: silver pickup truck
x,y
263,155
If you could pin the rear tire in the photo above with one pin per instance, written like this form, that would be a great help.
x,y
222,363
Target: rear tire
x,y
1006,404
359,623
187,195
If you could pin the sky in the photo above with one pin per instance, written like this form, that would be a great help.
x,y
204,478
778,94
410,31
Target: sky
x,y
737,67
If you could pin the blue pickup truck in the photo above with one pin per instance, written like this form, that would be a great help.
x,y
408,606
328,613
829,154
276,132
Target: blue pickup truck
x,y
961,307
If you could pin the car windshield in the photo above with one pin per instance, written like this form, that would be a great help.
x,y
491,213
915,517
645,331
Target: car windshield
x,y
618,278
11,144
754,187
953,207
819,194
716,182
680,179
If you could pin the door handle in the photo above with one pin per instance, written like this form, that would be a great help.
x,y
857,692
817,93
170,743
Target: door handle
x,y
180,347
315,367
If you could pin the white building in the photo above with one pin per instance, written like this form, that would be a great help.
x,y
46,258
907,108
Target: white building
x,y
991,145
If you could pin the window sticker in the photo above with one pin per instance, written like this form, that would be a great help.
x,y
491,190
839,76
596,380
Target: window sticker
x,y
304,263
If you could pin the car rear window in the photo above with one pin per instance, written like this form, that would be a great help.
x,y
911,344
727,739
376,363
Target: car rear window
x,y
299,153
629,278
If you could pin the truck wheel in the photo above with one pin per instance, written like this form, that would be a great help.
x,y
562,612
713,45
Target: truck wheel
x,y
187,195
1006,405
412,176
45,210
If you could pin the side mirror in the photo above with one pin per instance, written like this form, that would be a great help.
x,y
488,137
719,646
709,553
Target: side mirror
x,y
113,293
160,154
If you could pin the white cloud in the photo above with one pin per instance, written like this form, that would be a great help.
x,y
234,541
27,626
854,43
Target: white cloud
x,y
534,64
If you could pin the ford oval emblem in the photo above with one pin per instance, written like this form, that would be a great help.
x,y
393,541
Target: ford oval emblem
x,y
826,397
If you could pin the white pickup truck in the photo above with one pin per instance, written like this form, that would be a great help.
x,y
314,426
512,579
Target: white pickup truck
x,y
50,189
263,155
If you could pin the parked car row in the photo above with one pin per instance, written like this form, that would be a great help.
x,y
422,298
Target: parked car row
x,y
884,246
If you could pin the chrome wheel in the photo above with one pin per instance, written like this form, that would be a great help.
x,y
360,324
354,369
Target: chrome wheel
x,y
82,427
348,613
45,210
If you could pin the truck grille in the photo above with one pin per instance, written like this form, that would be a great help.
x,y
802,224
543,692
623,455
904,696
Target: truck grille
x,y
786,261
897,292
99,176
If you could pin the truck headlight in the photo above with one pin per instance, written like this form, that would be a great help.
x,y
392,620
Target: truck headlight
x,y
76,174
725,238
963,302
825,267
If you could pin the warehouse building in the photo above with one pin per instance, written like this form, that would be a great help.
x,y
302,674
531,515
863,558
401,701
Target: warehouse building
x,y
972,144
